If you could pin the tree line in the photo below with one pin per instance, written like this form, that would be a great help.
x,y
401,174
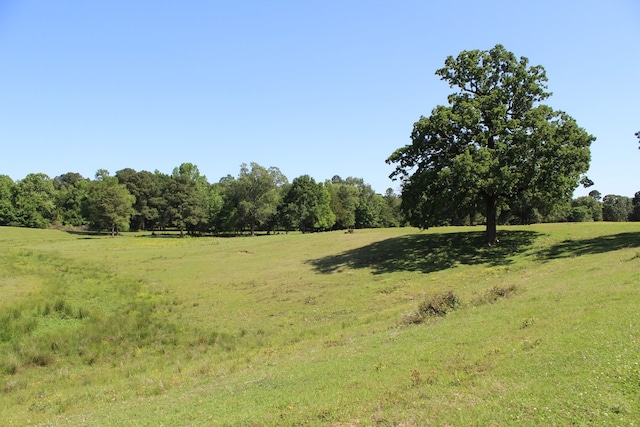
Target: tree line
x,y
594,207
258,199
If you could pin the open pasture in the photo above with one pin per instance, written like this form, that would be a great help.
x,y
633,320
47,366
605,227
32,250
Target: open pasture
x,y
319,329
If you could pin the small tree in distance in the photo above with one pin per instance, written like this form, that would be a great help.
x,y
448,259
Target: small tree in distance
x,y
306,206
617,208
258,192
109,205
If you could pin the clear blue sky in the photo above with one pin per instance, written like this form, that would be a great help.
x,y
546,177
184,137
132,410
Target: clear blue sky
x,y
313,87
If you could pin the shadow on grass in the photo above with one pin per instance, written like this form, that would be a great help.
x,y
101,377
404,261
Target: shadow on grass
x,y
428,252
163,235
84,234
596,245
176,235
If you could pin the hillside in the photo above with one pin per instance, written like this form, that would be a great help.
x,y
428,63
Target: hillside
x,y
321,329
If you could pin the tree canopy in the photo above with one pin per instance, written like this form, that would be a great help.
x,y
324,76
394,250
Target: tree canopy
x,y
34,201
108,203
617,208
255,194
306,206
187,198
493,147
7,210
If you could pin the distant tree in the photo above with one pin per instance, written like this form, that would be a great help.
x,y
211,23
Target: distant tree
x,y
493,146
638,136
67,179
147,189
393,216
186,197
595,195
520,210
306,206
616,208
228,219
126,175
635,215
34,201
7,211
585,208
379,206
108,205
369,206
560,213
161,202
71,191
343,202
580,214
214,204
368,212
257,192
355,204
102,175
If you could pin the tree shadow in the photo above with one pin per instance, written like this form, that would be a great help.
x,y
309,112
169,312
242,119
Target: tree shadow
x,y
595,245
83,234
163,235
427,253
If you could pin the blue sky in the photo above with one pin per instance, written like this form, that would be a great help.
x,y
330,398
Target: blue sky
x,y
313,87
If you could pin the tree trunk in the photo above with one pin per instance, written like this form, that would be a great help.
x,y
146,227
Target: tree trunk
x,y
491,237
113,229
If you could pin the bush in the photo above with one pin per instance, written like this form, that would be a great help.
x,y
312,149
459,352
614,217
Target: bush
x,y
495,293
437,305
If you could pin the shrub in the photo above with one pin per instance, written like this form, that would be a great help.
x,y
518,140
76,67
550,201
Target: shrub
x,y
496,293
437,305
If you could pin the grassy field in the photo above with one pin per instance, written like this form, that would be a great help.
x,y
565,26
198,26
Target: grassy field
x,y
322,329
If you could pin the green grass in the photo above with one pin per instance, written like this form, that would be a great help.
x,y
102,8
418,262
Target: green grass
x,y
320,329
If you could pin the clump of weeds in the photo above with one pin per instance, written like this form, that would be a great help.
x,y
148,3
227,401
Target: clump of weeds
x,y
437,305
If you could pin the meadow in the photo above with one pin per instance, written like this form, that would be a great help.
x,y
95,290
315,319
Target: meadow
x,y
325,329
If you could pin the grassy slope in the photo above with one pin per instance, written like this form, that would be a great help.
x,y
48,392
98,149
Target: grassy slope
x,y
308,329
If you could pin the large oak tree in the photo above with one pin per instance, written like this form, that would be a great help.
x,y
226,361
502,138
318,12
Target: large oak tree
x,y
493,146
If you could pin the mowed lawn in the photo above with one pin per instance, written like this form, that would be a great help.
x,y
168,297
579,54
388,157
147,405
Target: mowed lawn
x,y
320,329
